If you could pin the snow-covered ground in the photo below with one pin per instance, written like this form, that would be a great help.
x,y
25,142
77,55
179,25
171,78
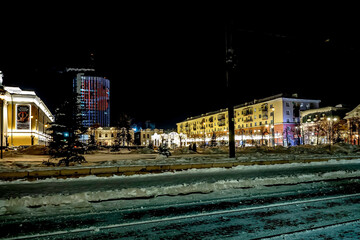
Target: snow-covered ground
x,y
14,161
34,162
314,189
283,174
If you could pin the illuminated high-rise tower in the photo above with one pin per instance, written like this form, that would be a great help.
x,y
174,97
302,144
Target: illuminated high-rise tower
x,y
94,93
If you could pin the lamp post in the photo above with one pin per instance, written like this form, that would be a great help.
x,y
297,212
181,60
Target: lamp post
x,y
273,127
31,134
204,126
2,126
331,125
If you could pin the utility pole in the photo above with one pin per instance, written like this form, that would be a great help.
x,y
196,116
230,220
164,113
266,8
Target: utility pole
x,y
230,66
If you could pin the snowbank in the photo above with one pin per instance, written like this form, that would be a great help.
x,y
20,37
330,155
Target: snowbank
x,y
205,170
17,205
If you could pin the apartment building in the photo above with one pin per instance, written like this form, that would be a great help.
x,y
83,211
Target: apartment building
x,y
267,121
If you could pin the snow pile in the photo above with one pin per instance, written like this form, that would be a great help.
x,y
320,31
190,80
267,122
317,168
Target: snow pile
x,y
338,148
142,151
35,150
84,199
182,150
193,170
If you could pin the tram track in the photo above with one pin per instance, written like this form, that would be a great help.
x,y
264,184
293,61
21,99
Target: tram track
x,y
193,217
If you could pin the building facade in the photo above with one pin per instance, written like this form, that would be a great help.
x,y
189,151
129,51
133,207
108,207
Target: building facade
x,y
111,136
353,122
24,118
171,140
323,125
94,93
268,121
143,136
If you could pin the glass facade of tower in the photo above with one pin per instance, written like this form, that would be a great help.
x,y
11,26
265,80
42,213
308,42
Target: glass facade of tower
x,y
94,93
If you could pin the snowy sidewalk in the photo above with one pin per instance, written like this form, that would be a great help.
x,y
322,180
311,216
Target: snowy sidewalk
x,y
30,166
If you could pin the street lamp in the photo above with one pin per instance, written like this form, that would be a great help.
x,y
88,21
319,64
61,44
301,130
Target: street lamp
x,y
31,134
302,135
331,123
204,126
273,126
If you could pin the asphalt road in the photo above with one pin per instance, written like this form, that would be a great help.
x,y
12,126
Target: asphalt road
x,y
161,180
269,212
274,211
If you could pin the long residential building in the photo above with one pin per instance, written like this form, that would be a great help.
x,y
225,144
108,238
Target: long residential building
x,y
269,121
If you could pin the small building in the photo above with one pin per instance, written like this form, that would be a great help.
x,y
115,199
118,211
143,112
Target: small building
x,y
171,140
24,118
143,136
353,122
111,136
322,125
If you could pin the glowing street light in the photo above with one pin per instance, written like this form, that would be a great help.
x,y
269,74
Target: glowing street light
x,y
331,125
273,126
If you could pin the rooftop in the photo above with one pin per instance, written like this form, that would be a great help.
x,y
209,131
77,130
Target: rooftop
x,y
255,101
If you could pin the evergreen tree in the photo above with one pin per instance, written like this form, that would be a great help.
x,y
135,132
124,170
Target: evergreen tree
x,y
66,131
124,135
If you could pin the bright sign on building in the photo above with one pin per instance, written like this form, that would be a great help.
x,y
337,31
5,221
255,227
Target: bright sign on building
x,y
22,117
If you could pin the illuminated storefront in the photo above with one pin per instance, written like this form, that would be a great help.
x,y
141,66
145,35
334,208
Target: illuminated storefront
x,y
25,118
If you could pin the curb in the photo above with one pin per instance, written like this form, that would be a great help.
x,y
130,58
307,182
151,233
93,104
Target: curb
x,y
131,170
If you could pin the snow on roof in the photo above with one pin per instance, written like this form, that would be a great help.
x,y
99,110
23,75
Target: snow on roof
x,y
17,90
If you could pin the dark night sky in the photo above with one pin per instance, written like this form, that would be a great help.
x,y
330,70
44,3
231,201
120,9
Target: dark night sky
x,y
165,67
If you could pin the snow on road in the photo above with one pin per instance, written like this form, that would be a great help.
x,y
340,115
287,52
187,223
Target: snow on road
x,y
13,205
287,201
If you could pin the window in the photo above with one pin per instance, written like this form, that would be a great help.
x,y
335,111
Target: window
x,y
99,135
287,112
287,104
106,135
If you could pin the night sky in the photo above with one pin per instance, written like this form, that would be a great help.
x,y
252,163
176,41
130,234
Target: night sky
x,y
164,67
